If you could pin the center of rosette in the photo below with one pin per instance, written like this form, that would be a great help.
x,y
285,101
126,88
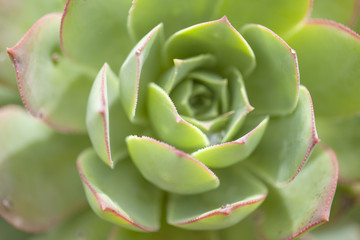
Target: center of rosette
x,y
201,95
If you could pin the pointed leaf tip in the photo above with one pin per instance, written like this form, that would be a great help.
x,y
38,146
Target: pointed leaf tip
x,y
169,168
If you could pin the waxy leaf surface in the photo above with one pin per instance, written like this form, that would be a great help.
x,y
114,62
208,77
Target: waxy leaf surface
x,y
48,82
239,194
140,67
39,186
287,143
329,59
303,203
218,38
168,124
273,87
168,168
226,154
278,15
123,197
106,121
96,28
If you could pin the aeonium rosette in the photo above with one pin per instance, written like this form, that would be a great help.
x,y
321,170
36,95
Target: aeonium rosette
x,y
207,125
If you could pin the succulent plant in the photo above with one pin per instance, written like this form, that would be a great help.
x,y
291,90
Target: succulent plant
x,y
195,114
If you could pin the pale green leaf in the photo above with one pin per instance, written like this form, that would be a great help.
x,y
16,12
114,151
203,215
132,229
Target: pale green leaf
x,y
140,67
48,82
329,59
305,202
218,38
39,184
273,87
94,32
169,168
239,194
168,124
123,197
286,144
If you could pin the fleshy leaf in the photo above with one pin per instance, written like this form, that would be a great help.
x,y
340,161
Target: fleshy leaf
x,y
343,136
329,57
287,143
48,82
238,195
218,38
102,28
278,15
168,168
212,125
105,111
239,103
245,228
345,12
174,14
182,67
305,202
273,87
120,196
39,185
226,154
168,124
9,232
140,67
82,226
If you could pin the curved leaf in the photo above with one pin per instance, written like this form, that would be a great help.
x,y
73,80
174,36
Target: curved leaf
x,y
218,38
168,168
226,154
273,87
104,111
48,82
82,226
39,185
175,15
343,136
182,67
96,28
168,124
305,202
329,56
286,144
345,12
238,195
119,197
279,15
140,67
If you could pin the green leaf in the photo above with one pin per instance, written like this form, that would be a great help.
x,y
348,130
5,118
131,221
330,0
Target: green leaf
x,y
48,82
226,154
123,197
213,125
245,228
305,202
340,11
239,104
286,144
342,135
81,226
273,87
329,58
168,124
278,15
238,195
39,185
13,26
218,38
182,67
104,111
168,168
96,28
174,14
9,232
140,67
